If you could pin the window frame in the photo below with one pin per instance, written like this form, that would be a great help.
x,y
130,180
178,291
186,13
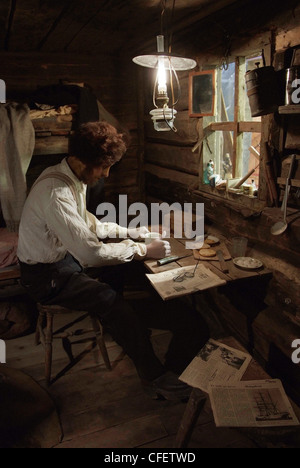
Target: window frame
x,y
238,127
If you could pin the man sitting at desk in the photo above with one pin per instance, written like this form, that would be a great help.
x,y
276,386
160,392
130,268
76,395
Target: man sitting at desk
x,y
59,239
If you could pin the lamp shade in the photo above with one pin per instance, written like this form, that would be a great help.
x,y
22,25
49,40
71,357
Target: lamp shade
x,y
171,61
163,116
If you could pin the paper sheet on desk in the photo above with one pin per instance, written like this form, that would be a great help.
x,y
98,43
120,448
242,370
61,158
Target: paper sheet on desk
x,y
215,362
167,288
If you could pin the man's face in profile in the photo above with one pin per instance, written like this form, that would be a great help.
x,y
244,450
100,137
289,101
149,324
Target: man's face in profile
x,y
91,176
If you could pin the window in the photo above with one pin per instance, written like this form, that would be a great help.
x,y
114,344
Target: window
x,y
232,136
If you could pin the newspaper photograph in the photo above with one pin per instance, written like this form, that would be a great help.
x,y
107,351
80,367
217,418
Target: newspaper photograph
x,y
216,362
184,280
256,403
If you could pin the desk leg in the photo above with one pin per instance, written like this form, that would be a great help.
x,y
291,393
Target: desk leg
x,y
192,411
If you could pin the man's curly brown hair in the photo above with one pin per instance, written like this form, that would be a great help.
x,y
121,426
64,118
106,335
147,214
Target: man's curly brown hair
x,y
97,144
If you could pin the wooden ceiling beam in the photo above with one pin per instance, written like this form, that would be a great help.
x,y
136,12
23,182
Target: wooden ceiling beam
x,y
32,21
5,8
74,23
137,45
10,22
105,27
63,12
233,30
208,10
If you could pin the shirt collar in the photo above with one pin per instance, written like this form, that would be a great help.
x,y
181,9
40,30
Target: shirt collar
x,y
65,168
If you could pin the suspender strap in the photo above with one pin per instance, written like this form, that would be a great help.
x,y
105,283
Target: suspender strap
x,y
63,178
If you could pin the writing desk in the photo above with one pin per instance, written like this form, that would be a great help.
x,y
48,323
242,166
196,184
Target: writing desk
x,y
198,398
178,248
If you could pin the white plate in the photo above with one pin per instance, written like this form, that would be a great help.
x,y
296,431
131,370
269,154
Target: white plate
x,y
213,238
247,263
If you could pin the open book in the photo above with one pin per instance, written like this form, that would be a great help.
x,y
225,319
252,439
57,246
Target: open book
x,y
175,283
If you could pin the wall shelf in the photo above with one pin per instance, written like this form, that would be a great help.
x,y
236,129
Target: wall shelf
x,y
292,109
293,182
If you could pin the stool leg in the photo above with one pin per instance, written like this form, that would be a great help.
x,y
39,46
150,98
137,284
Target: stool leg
x,y
48,347
98,328
189,419
39,328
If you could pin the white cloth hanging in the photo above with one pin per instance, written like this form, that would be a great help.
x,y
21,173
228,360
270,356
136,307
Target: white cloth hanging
x,y
17,139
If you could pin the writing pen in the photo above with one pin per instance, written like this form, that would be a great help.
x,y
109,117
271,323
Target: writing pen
x,y
172,258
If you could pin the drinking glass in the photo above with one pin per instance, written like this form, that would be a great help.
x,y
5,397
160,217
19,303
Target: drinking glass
x,y
239,246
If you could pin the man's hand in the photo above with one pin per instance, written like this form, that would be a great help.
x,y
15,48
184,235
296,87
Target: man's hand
x,y
158,249
138,233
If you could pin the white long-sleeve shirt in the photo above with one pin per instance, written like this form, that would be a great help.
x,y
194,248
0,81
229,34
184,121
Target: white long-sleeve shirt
x,y
53,224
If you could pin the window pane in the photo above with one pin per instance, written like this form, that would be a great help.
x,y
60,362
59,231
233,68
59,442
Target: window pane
x,y
218,149
251,145
219,146
228,88
226,148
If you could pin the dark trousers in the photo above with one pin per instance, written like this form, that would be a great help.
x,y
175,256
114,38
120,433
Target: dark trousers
x,y
66,284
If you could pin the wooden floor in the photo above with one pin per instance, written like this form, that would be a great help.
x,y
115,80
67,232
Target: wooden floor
x,y
103,409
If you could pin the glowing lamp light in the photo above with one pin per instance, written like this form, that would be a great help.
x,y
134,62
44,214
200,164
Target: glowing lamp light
x,y
161,76
163,116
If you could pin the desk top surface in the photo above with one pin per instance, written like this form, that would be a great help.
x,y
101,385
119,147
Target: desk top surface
x,y
178,248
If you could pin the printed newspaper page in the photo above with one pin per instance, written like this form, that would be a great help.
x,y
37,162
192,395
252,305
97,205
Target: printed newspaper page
x,y
216,362
183,281
256,403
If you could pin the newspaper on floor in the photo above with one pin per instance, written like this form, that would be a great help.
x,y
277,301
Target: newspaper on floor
x,y
216,362
256,403
183,281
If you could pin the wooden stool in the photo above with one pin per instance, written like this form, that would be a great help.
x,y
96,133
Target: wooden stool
x,y
46,337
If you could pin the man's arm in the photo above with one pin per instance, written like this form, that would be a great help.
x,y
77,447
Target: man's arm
x,y
106,230
82,242
115,231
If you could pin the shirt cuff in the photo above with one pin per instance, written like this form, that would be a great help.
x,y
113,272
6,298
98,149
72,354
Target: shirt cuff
x,y
141,251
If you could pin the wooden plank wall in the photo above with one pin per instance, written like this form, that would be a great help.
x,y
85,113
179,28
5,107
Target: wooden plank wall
x,y
126,177
169,155
115,89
